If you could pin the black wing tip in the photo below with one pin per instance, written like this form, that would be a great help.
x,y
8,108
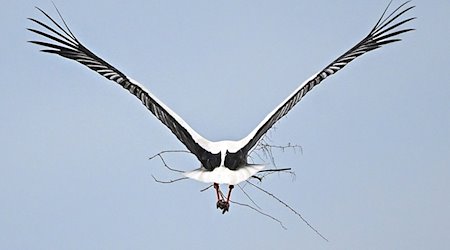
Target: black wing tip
x,y
32,30
387,30
392,21
53,51
56,32
386,18
408,30
33,20
41,10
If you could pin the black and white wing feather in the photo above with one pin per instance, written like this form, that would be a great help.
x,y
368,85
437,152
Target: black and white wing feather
x,y
64,43
384,32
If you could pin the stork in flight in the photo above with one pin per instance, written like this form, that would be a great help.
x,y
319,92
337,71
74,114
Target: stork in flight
x,y
222,162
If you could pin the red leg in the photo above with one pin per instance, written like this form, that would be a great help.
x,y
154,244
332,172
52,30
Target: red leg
x,y
223,204
219,199
226,205
216,187
229,193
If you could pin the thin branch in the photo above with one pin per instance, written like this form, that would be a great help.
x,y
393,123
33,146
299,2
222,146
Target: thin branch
x,y
164,162
259,178
169,181
248,196
222,196
261,212
266,150
206,188
267,172
276,170
290,208
170,151
263,150
294,147
160,155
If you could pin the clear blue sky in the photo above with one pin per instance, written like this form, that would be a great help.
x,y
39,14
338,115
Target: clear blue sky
x,y
375,168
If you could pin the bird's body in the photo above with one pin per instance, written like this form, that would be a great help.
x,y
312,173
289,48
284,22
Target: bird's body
x,y
223,162
225,165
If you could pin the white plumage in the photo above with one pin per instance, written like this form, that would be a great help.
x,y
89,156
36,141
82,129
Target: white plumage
x,y
223,162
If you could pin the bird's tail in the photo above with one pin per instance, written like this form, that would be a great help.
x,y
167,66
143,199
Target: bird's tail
x,y
223,175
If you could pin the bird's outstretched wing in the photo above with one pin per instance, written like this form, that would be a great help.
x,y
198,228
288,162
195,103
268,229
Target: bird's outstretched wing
x,y
62,41
384,32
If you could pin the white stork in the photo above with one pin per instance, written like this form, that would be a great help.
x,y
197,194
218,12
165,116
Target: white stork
x,y
222,162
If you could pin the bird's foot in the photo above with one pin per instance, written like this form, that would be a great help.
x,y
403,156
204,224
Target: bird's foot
x,y
223,205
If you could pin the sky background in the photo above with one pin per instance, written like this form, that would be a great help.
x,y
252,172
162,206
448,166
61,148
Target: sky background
x,y
375,167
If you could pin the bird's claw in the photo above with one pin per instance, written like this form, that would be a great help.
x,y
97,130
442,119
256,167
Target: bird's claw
x,y
223,205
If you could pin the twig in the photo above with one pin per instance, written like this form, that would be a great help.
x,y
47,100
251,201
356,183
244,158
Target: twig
x,y
169,181
261,212
267,172
275,170
265,148
283,148
170,151
206,188
290,208
164,162
248,196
